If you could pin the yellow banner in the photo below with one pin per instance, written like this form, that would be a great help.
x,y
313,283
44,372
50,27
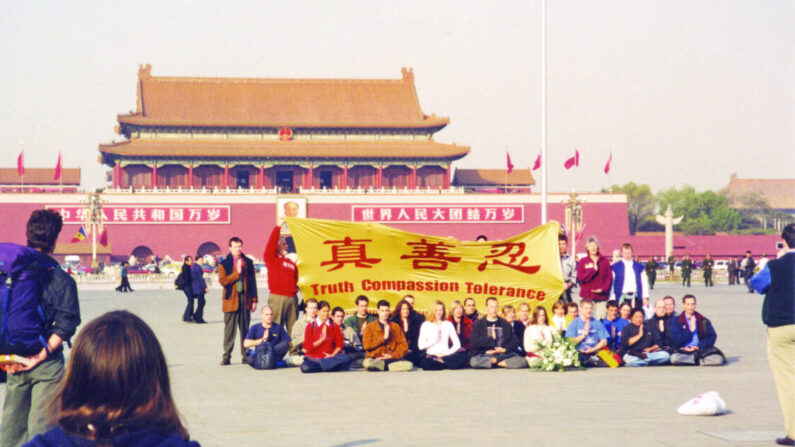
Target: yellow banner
x,y
338,261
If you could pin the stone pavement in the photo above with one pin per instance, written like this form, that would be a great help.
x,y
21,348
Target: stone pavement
x,y
236,405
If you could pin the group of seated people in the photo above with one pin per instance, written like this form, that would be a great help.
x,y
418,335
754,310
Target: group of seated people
x,y
403,339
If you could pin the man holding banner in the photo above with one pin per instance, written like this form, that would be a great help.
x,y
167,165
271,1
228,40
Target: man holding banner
x,y
368,259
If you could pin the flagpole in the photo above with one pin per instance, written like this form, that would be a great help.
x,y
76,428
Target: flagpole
x,y
60,162
505,175
22,177
543,111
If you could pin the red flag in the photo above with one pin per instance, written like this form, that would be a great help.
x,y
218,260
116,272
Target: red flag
x,y
57,174
103,237
537,164
573,161
21,163
509,165
607,165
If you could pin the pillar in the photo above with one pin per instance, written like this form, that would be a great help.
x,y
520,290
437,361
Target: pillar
x,y
413,179
446,179
154,175
190,176
261,177
117,174
379,178
344,177
308,180
226,176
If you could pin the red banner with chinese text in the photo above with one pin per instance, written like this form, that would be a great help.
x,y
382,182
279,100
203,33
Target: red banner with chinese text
x,y
338,261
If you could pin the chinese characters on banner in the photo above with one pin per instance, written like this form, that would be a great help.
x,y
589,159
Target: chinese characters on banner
x,y
438,213
337,261
150,214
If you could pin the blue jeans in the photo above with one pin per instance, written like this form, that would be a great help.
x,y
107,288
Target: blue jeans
x,y
652,358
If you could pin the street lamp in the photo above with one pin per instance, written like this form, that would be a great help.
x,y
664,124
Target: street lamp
x,y
94,222
574,220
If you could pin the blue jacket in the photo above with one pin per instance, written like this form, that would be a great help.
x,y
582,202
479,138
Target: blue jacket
x,y
680,332
197,282
777,282
56,437
618,281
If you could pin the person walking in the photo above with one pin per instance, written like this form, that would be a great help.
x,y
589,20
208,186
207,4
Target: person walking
x,y
125,282
183,283
748,270
199,289
777,282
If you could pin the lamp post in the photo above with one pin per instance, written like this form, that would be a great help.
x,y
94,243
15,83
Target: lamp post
x,y
94,222
574,220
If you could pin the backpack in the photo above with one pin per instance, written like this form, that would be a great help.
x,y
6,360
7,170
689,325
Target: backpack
x,y
23,321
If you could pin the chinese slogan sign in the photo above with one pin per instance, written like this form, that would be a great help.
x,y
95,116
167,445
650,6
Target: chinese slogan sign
x,y
337,261
150,214
439,213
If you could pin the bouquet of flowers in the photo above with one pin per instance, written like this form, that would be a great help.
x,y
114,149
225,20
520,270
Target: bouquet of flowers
x,y
558,355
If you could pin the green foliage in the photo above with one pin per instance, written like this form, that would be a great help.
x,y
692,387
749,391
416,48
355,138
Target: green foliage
x,y
640,203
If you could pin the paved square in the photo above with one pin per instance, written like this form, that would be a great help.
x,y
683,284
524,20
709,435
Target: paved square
x,y
236,405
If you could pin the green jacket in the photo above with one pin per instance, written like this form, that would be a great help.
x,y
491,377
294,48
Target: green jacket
x,y
352,323
687,267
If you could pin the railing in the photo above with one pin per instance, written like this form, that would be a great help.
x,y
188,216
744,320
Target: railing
x,y
90,278
275,191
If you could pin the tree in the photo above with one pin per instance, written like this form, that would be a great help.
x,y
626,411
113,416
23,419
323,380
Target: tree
x,y
640,204
704,212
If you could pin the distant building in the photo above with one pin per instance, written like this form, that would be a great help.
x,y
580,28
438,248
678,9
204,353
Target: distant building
x,y
779,193
491,180
39,180
295,135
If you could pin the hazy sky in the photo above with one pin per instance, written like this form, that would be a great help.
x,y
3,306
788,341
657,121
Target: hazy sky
x,y
680,91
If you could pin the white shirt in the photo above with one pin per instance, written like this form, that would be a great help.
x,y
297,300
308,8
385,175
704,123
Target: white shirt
x,y
558,322
436,339
630,285
535,333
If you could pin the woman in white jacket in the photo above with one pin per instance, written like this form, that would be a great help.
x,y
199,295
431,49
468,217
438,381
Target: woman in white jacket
x,y
537,335
439,343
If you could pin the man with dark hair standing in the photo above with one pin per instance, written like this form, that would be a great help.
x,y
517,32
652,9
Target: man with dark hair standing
x,y
568,267
239,296
777,282
651,271
29,388
687,270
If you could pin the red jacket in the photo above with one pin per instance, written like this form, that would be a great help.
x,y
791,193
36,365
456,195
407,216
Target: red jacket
x,y
591,278
333,340
466,331
282,272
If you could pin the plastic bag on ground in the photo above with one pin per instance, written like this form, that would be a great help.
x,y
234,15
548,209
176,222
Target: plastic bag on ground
x,y
706,404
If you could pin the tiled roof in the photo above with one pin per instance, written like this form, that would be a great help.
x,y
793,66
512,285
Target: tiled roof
x,y
780,193
194,101
284,149
493,177
40,176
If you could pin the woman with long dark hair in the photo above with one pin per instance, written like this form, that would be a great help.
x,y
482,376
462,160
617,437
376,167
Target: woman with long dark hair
x,y
411,329
116,390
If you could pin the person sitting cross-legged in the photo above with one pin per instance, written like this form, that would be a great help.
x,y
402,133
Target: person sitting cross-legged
x,y
494,342
271,336
613,325
440,343
694,336
538,335
663,322
462,324
641,342
385,343
297,332
353,342
362,317
587,333
323,344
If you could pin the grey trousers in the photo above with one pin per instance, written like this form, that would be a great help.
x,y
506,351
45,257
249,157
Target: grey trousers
x,y
239,319
28,395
